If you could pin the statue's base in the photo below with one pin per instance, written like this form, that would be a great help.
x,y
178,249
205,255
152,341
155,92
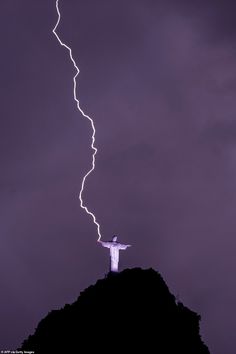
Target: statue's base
x,y
111,274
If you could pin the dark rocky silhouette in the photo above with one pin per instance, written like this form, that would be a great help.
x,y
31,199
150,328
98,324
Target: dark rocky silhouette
x,y
132,311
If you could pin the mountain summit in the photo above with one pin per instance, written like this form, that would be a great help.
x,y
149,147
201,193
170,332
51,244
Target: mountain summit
x,y
131,311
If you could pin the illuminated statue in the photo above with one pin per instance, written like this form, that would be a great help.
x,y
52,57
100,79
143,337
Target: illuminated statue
x,y
115,247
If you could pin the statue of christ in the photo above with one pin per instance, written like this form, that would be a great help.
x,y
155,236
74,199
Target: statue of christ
x,y
115,247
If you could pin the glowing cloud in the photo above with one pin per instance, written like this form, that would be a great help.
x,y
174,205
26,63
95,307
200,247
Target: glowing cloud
x,y
86,116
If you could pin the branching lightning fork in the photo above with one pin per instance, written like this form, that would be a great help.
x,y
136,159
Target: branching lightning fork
x,y
86,116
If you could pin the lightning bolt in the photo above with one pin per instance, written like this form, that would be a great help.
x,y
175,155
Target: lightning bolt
x,y
86,116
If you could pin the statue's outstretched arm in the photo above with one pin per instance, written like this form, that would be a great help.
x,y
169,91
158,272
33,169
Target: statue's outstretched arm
x,y
105,244
123,247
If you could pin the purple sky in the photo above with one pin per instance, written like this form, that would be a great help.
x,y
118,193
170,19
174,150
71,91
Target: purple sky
x,y
159,80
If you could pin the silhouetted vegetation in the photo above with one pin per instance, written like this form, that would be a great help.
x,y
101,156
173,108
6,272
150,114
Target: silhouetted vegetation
x,y
132,311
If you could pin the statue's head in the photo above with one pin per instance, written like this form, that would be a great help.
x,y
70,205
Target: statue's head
x,y
114,238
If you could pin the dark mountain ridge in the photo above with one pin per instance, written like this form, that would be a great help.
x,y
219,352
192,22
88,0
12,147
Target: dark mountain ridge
x,y
129,311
